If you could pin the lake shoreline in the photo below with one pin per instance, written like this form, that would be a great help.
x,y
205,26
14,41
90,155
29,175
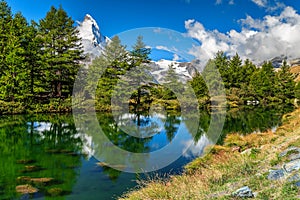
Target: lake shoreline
x,y
241,161
62,106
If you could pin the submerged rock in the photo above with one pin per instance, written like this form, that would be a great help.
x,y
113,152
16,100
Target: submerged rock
x,y
276,174
54,192
31,168
41,180
244,192
27,179
26,189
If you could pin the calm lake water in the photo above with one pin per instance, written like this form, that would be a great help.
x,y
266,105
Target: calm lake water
x,y
51,146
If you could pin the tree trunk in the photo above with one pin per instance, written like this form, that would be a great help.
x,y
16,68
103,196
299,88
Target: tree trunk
x,y
58,84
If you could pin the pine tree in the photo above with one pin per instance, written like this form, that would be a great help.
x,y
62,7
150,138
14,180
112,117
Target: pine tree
x,y
33,62
263,82
13,74
61,51
247,71
234,71
112,63
211,75
140,53
222,64
6,19
5,22
199,86
173,86
139,75
285,83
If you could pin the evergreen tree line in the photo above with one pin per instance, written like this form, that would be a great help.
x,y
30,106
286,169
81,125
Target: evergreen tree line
x,y
244,81
38,61
125,78
123,74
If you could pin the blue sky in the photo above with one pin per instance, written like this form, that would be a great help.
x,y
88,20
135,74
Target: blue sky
x,y
115,16
216,24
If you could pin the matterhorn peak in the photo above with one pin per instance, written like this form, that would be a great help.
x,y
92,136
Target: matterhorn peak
x,y
89,29
92,39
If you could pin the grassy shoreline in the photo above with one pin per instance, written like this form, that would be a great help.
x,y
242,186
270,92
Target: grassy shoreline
x,y
241,161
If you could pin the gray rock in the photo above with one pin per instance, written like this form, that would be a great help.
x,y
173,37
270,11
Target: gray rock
x,y
294,156
294,178
276,174
285,152
244,192
297,184
292,166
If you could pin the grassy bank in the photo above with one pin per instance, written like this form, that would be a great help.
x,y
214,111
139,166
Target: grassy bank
x,y
54,105
241,161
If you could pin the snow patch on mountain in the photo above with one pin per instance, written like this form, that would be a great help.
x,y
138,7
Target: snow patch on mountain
x,y
184,70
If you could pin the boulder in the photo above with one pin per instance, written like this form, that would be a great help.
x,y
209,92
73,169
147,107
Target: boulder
x,y
288,150
292,166
294,156
276,174
294,178
244,192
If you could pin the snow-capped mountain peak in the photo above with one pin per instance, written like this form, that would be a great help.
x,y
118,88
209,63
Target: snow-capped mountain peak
x,y
89,29
92,39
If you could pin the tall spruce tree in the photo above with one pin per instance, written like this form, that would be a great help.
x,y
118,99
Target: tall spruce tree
x,y
12,74
112,63
139,76
33,62
247,71
199,86
285,83
61,51
222,64
235,71
263,82
140,53
172,84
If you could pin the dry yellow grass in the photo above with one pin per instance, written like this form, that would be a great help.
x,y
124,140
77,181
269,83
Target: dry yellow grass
x,y
296,70
225,168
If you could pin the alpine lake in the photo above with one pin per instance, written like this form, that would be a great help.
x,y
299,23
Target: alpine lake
x,y
49,156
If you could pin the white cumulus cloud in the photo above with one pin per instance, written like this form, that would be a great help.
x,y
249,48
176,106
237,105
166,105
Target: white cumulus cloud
x,y
258,40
